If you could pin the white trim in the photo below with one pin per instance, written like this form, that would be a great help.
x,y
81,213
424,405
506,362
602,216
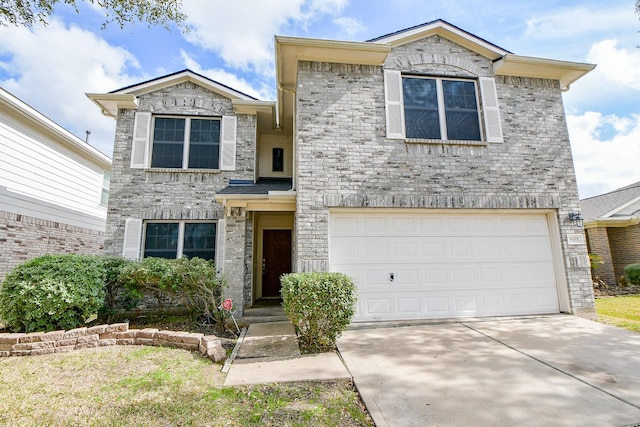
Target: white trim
x,y
621,207
558,262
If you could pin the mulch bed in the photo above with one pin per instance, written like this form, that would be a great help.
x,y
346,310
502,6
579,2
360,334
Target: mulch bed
x,y
615,290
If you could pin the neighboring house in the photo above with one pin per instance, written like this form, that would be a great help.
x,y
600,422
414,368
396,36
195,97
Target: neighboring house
x,y
612,224
431,165
53,188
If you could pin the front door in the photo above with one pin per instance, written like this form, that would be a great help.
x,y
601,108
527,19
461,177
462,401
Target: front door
x,y
276,253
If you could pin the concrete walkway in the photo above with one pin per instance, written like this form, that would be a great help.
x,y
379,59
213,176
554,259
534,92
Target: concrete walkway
x,y
269,353
544,371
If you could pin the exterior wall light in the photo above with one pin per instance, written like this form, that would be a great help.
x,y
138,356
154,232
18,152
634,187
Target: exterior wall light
x,y
576,217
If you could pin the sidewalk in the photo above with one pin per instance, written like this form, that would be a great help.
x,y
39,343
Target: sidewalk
x,y
269,353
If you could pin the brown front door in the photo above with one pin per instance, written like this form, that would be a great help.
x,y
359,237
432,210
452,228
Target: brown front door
x,y
276,253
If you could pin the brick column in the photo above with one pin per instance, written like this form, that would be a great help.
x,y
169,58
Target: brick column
x,y
234,256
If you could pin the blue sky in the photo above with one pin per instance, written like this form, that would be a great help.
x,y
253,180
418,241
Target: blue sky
x,y
52,67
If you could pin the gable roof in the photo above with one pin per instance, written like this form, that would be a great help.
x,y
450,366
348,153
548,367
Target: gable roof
x,y
445,29
126,97
622,203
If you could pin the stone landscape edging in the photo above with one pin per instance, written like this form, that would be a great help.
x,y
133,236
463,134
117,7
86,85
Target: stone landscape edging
x,y
39,343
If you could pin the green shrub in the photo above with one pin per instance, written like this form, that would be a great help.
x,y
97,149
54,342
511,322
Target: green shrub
x,y
117,293
319,305
632,272
192,282
52,292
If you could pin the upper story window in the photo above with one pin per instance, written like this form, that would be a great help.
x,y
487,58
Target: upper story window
x,y
436,108
443,109
106,183
186,143
162,141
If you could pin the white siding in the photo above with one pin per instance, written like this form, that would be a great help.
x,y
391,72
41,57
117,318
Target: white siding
x,y
36,167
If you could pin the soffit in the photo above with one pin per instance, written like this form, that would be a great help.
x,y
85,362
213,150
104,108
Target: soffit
x,y
525,66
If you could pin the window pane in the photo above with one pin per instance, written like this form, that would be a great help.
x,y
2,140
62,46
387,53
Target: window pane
x,y
204,144
200,240
278,160
168,142
161,240
461,110
421,108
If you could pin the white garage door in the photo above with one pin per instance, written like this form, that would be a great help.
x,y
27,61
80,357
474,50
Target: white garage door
x,y
435,265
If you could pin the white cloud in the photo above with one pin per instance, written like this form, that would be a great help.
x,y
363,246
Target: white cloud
x,y
52,67
350,26
619,66
606,151
242,31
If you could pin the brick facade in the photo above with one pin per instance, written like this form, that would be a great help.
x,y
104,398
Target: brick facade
x,y
23,238
625,247
345,160
170,194
598,240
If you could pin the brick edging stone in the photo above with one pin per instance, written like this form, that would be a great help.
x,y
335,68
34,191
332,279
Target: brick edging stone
x,y
38,343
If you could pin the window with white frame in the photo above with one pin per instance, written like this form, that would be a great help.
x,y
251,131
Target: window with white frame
x,y
185,143
178,239
441,108
106,183
437,108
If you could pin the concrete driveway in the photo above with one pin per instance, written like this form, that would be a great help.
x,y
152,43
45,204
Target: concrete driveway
x,y
536,371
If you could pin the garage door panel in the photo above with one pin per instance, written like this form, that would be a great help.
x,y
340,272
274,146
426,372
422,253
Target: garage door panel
x,y
422,265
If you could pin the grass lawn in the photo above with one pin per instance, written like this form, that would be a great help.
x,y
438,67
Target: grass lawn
x,y
622,311
155,386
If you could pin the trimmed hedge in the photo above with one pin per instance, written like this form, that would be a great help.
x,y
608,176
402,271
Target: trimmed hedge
x,y
632,271
52,292
319,305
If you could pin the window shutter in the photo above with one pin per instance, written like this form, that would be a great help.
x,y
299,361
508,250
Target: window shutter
x,y
490,110
228,143
132,238
220,245
141,133
393,104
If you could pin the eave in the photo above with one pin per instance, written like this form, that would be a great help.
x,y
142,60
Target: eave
x,y
109,103
612,222
275,201
44,124
447,31
525,66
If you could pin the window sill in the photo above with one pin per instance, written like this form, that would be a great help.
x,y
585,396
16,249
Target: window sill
x,y
178,170
445,142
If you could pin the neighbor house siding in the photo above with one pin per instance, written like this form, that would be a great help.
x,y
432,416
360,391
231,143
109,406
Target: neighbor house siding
x,y
344,159
50,188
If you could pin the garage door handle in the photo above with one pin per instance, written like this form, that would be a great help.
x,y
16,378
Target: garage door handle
x,y
392,277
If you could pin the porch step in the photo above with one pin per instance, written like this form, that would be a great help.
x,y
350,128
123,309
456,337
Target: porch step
x,y
264,313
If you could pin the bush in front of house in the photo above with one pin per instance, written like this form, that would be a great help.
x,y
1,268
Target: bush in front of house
x,y
632,272
52,292
117,293
193,283
319,305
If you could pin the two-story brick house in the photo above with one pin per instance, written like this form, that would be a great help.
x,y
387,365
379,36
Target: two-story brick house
x,y
431,165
